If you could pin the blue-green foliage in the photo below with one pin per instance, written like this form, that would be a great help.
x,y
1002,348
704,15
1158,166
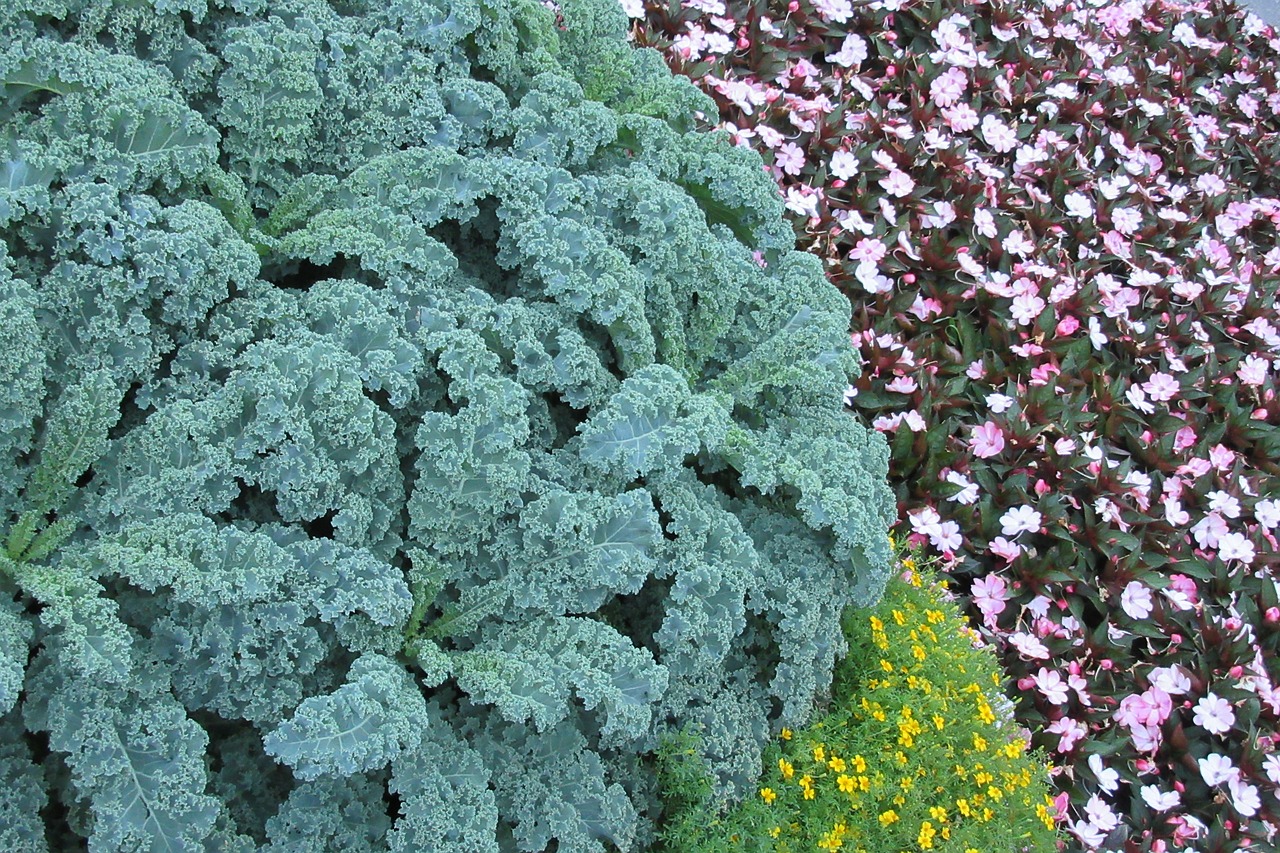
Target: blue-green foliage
x,y
399,437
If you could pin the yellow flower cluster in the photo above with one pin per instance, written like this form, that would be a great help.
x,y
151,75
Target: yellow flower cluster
x,y
916,757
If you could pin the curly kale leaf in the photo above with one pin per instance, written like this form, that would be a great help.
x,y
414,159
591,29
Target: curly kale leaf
x,y
378,715
533,671
446,803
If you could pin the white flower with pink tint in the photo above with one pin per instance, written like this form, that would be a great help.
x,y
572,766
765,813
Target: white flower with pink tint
x,y
1216,769
1020,519
833,10
1070,733
1026,308
1050,684
1160,801
1244,797
948,88
998,135
1234,546
1253,370
1161,387
1078,206
1268,513
968,493
852,52
1029,646
961,118
1170,679
1127,220
898,183
1136,600
1214,714
1100,814
844,165
1003,548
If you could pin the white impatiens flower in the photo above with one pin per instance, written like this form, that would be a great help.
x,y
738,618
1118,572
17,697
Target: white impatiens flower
x,y
1078,206
852,52
844,165
898,183
1108,778
1159,801
1136,600
1234,546
1244,797
1214,714
1020,519
1216,769
998,134
1268,513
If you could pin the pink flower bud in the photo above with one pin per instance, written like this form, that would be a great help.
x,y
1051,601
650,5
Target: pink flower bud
x,y
1097,109
909,278
1273,614
1026,683
837,184
1074,667
1042,488
1235,671
744,43
890,71
1179,787
1105,664
793,6
1232,624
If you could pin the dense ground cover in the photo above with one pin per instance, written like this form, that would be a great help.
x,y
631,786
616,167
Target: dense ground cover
x,y
1057,223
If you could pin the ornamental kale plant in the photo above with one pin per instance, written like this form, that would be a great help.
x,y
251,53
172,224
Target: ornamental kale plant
x,y
408,422
1058,222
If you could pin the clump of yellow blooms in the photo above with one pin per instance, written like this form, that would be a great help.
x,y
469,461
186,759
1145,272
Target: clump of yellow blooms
x,y
911,754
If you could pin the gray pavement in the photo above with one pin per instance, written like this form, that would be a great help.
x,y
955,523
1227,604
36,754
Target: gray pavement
x,y
1267,10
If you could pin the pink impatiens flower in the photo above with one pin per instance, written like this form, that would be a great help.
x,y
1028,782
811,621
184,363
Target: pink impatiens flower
x,y
986,440
998,134
898,183
1049,682
990,593
1161,387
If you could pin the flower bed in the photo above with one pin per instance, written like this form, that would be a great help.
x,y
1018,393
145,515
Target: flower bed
x,y
1057,224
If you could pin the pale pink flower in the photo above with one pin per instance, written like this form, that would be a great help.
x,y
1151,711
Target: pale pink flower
x,y
1029,646
1136,600
1170,679
986,440
1149,708
789,158
1224,502
968,493
1209,530
833,10
961,118
1049,682
870,249
1161,387
1020,519
990,594
998,134
1252,370
1070,733
1127,220
1100,814
1003,548
925,521
999,403
948,537
898,183
902,385
948,88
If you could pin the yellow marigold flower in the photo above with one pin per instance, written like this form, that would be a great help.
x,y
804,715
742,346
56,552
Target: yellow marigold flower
x,y
940,723
979,742
876,624
938,813
963,805
859,764
898,617
806,782
809,793
889,817
864,784
777,830
934,616
768,795
925,838
785,734
836,764
819,753
885,665
917,652
995,793
845,783
785,768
